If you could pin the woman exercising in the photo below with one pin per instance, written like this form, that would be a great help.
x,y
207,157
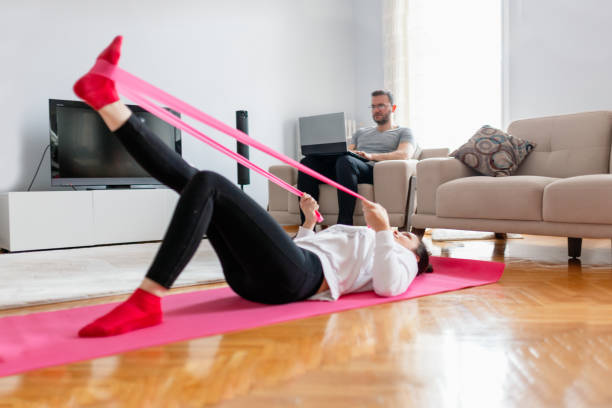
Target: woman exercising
x,y
260,261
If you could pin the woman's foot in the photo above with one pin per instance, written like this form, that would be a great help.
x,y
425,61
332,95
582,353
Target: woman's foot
x,y
142,309
96,90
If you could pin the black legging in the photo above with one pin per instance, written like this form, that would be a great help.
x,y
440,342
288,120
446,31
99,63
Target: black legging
x,y
260,262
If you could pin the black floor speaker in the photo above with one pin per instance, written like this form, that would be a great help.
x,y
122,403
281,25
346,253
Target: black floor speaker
x,y
242,124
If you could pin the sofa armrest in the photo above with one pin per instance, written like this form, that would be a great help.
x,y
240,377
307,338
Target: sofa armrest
x,y
429,153
431,173
392,182
277,196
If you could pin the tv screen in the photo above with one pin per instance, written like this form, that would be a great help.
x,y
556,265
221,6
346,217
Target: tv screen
x,y
85,153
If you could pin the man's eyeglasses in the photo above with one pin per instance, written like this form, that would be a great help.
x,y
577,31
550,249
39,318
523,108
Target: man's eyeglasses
x,y
379,106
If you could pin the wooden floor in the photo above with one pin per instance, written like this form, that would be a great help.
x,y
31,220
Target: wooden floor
x,y
541,337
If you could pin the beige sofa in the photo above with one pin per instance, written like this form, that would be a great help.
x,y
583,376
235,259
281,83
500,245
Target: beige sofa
x,y
563,188
391,189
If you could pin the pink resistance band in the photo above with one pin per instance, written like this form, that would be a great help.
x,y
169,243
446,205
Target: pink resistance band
x,y
138,91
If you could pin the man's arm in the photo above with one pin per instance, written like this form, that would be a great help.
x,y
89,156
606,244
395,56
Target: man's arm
x,y
404,151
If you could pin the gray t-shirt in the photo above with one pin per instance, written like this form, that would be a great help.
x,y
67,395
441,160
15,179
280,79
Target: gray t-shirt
x,y
370,140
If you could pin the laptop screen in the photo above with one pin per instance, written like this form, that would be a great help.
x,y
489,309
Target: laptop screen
x,y
323,134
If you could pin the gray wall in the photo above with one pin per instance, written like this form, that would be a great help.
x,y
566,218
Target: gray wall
x,y
559,60
369,73
278,59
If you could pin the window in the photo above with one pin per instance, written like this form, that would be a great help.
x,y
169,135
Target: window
x,y
443,59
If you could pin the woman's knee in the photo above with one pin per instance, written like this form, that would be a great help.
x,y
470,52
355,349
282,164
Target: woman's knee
x,y
205,179
210,177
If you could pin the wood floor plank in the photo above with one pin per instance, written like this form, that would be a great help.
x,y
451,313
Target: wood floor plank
x,y
541,337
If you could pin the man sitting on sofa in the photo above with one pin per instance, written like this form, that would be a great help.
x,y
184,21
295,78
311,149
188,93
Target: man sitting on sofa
x,y
386,141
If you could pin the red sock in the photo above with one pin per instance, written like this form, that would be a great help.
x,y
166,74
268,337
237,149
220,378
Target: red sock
x,y
96,90
142,309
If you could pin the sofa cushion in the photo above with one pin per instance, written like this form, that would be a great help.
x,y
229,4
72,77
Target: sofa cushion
x,y
328,199
493,152
505,198
581,199
567,145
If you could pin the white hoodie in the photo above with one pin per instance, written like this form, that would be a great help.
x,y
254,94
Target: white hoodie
x,y
358,259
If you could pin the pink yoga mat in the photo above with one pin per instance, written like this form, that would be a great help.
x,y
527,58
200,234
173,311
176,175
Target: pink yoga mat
x,y
50,338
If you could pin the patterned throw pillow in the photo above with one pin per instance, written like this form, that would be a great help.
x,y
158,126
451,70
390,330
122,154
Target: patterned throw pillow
x,y
493,152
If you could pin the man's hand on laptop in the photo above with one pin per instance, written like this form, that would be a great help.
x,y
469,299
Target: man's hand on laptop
x,y
365,155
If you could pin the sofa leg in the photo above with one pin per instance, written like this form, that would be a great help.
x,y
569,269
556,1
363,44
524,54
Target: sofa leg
x,y
501,235
574,247
419,232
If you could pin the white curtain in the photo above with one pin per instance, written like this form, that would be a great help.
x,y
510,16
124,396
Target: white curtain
x,y
395,54
443,61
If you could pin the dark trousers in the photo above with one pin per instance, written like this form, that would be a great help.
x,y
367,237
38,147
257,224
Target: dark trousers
x,y
345,170
260,262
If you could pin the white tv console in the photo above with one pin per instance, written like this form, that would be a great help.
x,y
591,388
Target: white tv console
x,y
63,219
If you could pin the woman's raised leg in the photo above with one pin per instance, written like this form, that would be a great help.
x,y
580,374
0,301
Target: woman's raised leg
x,y
261,263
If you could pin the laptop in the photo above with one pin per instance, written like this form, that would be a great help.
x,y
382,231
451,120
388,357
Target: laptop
x,y
324,135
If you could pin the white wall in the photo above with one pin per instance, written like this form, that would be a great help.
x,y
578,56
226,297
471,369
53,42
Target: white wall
x,y
369,73
559,59
278,59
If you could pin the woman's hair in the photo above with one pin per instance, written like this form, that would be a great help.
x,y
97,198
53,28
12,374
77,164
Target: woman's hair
x,y
423,254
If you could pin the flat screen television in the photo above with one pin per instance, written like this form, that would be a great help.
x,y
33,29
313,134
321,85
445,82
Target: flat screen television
x,y
85,153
